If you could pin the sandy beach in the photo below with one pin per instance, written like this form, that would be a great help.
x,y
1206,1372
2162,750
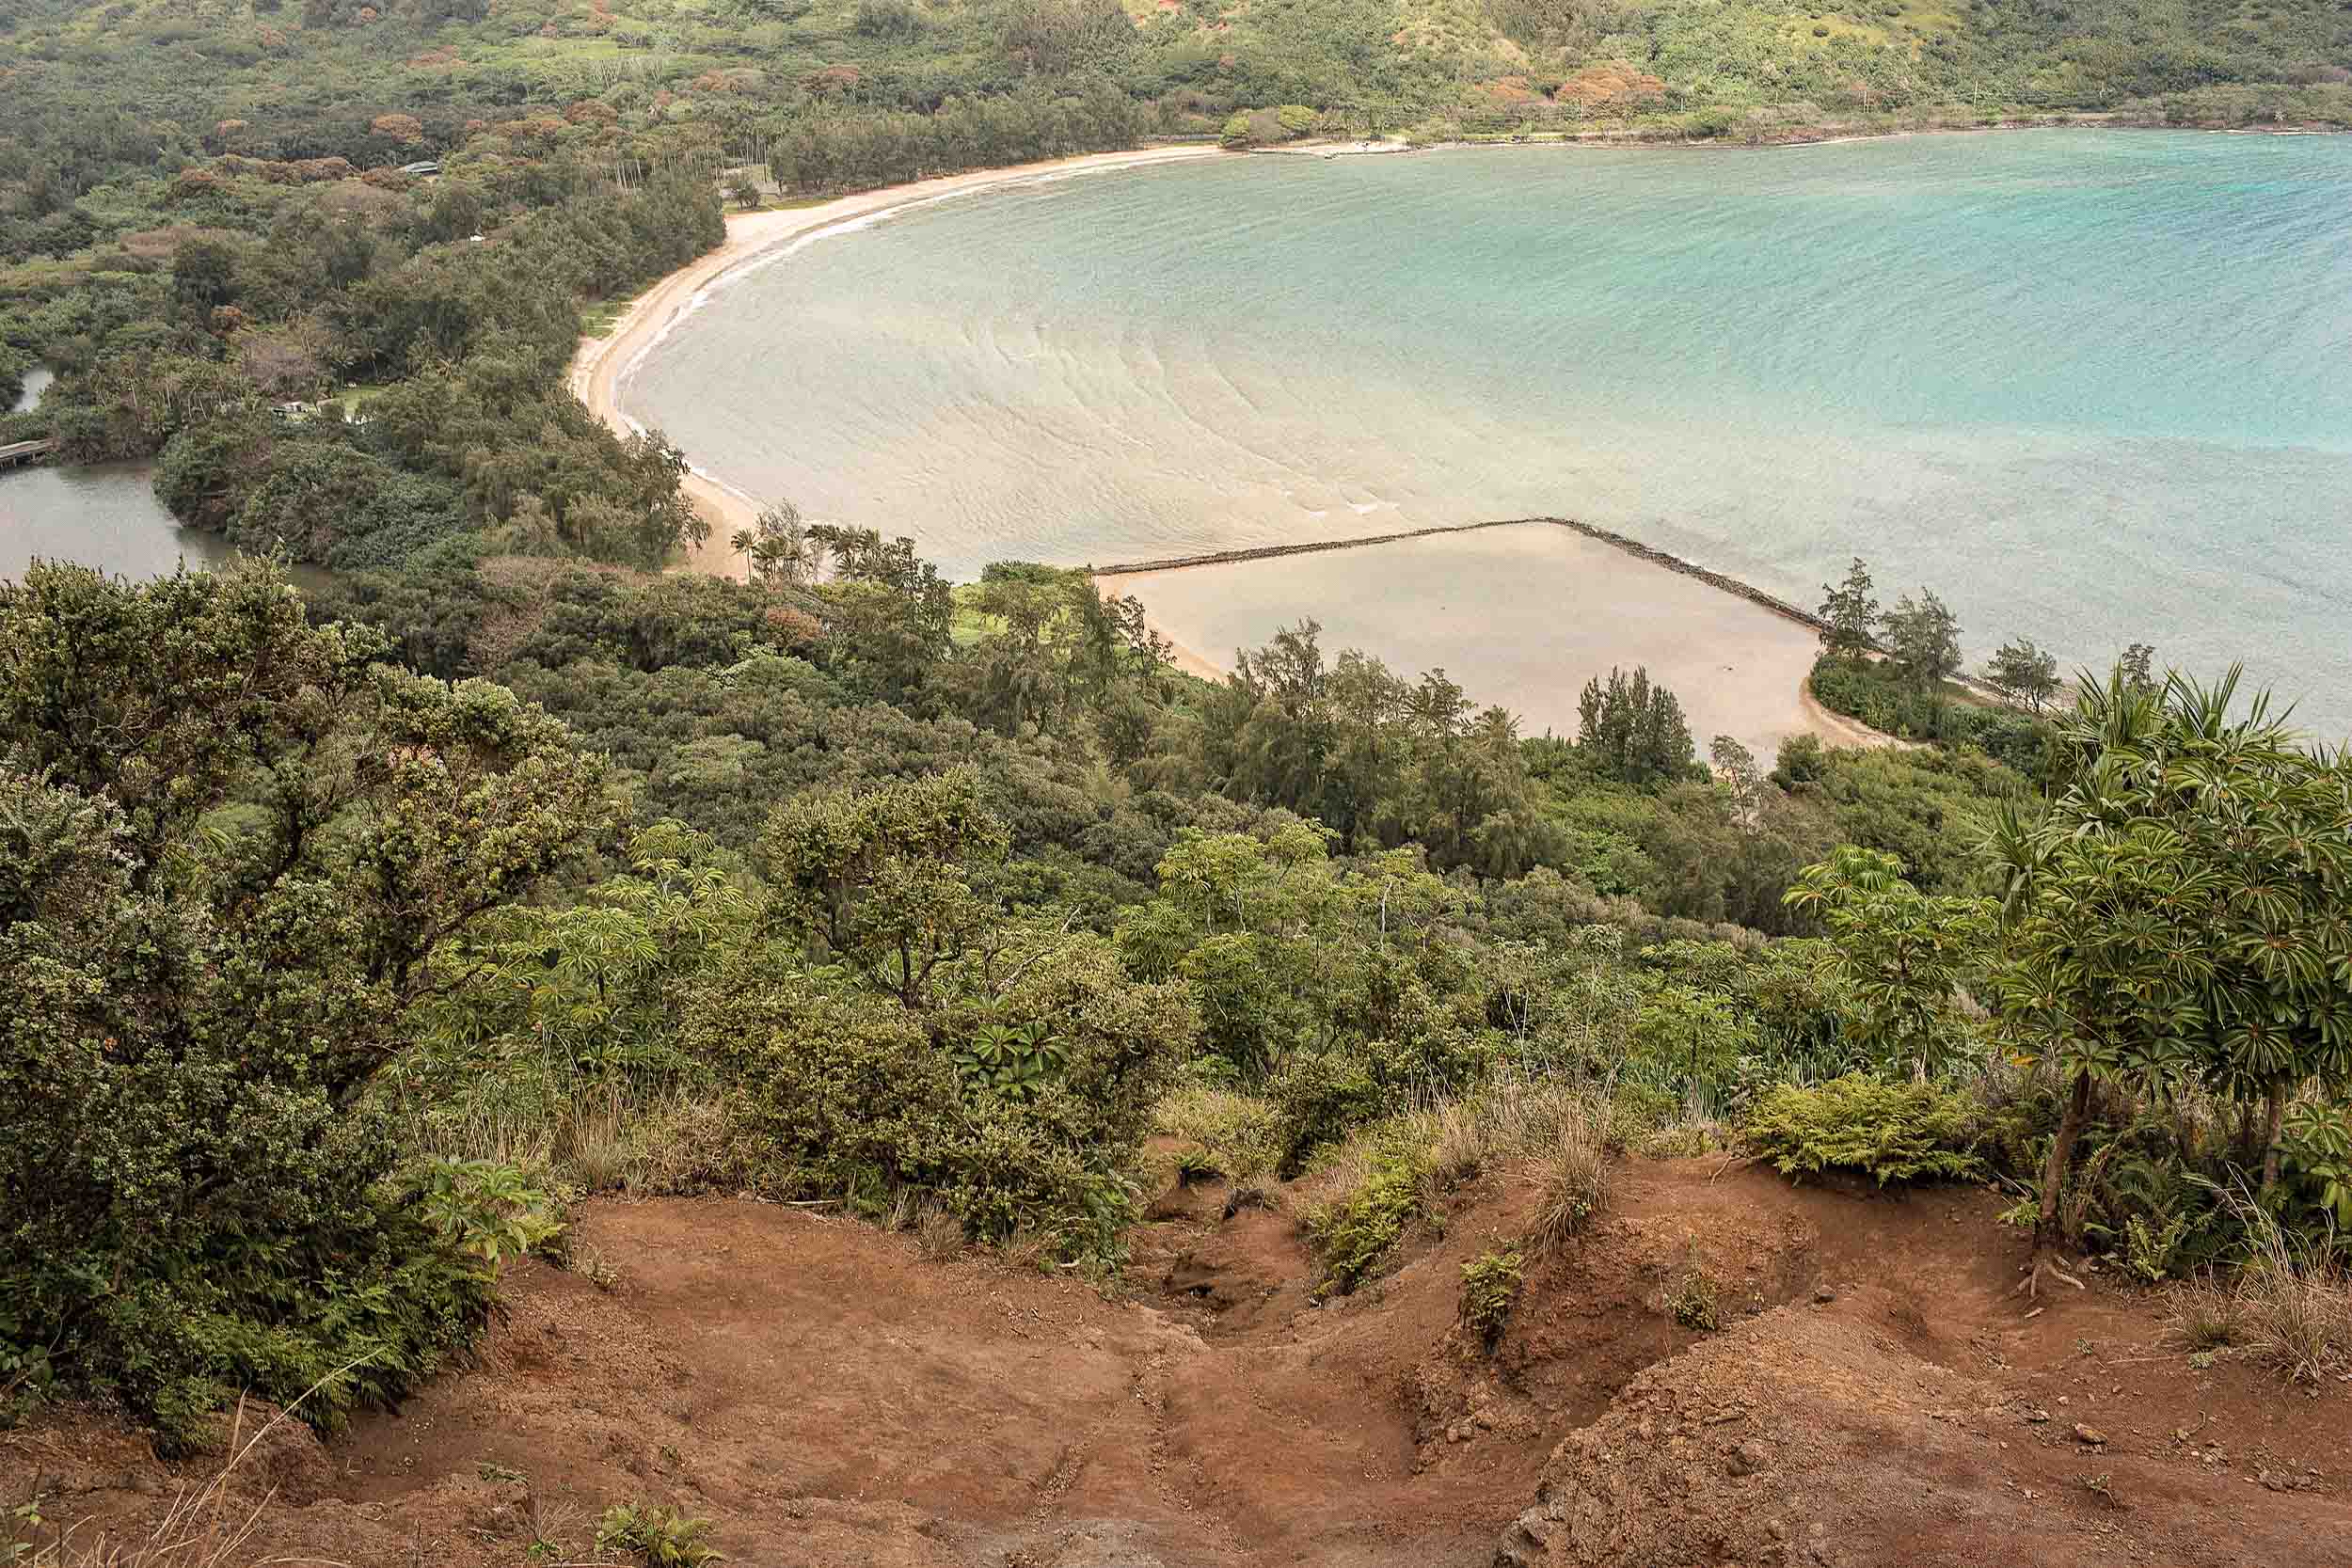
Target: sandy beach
x,y
601,368
1522,620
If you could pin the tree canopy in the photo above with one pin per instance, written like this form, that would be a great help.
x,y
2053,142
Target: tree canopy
x,y
2176,915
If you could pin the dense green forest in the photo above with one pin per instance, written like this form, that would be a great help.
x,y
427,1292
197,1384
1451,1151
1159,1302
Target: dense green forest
x,y
349,938
350,933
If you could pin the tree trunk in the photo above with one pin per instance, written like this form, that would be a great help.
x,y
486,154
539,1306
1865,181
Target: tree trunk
x,y
2047,1227
2274,1116
2049,1240
2248,1149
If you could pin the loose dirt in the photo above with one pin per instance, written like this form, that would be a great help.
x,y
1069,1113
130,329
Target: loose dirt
x,y
827,1395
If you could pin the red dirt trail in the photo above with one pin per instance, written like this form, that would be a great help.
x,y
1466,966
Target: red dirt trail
x,y
826,1395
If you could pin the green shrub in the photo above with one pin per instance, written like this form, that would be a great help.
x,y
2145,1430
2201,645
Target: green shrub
x,y
1693,1302
201,981
1873,692
1194,1167
1894,1131
1318,1097
1356,1233
842,1094
1639,1108
887,19
1381,1181
486,1210
1237,1134
659,1537
1690,1037
1491,1288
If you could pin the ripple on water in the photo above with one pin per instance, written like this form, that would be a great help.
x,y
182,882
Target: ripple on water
x,y
2086,384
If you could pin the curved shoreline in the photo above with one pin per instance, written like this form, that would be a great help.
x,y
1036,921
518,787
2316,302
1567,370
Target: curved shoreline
x,y
601,369
601,366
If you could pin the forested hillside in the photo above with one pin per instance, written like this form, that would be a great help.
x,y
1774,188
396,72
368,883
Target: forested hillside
x,y
212,213
348,933
347,942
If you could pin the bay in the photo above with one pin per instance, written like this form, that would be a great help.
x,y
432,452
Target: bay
x,y
2090,385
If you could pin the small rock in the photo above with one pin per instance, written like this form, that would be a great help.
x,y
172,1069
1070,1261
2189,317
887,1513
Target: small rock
x,y
2090,1434
2037,1417
1823,1295
1528,1543
1748,1458
1484,1421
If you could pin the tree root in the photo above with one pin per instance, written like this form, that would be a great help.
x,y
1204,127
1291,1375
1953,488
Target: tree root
x,y
2044,1262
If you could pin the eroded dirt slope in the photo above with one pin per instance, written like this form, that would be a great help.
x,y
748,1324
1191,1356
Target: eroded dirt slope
x,y
828,1396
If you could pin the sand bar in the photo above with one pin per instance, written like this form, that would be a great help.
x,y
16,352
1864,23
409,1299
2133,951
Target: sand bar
x,y
1520,615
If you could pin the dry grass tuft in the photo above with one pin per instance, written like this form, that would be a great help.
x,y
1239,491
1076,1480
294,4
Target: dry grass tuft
x,y
1558,1135
1508,1119
591,1146
205,1526
1029,1249
1571,1177
2289,1306
938,1234
2203,1316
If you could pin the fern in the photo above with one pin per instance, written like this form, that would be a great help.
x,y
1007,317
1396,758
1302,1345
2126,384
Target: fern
x,y
1894,1131
1491,1288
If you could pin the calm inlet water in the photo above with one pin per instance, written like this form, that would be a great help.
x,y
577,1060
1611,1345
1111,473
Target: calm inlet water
x,y
106,516
2091,386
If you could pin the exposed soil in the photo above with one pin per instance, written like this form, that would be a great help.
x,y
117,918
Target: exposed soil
x,y
827,1395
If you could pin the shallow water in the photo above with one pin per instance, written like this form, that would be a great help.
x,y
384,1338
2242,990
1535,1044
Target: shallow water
x,y
1476,611
2090,385
36,381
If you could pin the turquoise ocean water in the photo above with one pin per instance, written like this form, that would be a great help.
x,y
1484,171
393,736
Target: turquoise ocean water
x,y
2093,387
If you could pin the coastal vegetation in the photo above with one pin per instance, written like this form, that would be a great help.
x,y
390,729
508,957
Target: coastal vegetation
x,y
370,930
354,932
211,221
